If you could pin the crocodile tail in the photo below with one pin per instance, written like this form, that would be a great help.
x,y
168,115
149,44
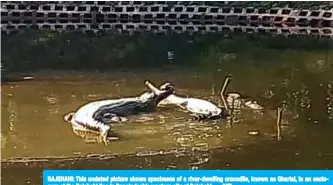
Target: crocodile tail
x,y
68,117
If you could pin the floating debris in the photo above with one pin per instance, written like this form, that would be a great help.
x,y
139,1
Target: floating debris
x,y
28,77
253,132
76,153
113,138
194,168
171,167
253,104
185,140
201,147
92,96
200,161
147,153
144,119
93,155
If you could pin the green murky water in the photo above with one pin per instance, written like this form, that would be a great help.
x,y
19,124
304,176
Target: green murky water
x,y
34,135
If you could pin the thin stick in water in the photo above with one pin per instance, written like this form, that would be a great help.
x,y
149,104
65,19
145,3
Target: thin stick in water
x,y
226,82
278,123
213,89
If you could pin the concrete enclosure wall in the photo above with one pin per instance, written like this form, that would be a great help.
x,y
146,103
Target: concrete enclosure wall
x,y
159,17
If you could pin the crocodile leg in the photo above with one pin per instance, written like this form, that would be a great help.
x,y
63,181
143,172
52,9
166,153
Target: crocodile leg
x,y
195,116
113,118
103,138
123,119
104,134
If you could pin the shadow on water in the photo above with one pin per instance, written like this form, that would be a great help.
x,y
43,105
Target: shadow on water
x,y
35,137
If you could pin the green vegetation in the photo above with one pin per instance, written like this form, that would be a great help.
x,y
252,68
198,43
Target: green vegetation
x,y
35,50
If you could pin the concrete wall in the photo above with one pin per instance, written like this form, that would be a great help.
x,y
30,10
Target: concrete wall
x,y
129,17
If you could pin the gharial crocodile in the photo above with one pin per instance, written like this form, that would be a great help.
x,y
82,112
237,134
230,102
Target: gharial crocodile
x,y
96,116
201,109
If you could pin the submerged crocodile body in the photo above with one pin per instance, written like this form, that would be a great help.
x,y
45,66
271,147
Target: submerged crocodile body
x,y
96,116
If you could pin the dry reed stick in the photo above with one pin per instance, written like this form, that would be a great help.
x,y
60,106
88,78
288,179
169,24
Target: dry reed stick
x,y
278,123
224,87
